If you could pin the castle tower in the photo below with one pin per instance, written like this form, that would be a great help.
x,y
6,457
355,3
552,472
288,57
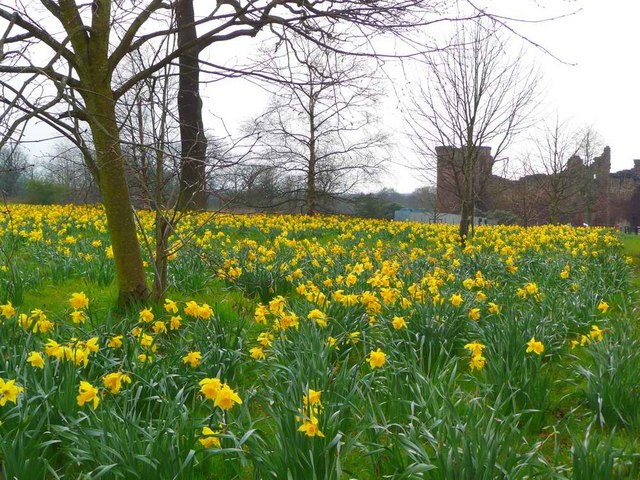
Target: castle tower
x,y
450,178
602,166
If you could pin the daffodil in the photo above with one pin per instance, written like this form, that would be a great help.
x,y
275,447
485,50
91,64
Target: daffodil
x,y
192,358
265,339
469,283
92,344
476,348
310,427
159,327
191,309
145,358
260,315
456,300
477,362
7,310
78,317
113,381
53,349
209,438
205,312
535,346
79,301
257,353
170,306
226,398
210,387
35,360
313,397
318,317
9,391
596,333
176,322
398,323
146,315
377,359
87,393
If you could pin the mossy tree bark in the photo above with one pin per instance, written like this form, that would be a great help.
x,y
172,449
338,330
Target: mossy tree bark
x,y
132,286
95,72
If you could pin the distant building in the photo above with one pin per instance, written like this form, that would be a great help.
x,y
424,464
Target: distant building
x,y
424,216
590,193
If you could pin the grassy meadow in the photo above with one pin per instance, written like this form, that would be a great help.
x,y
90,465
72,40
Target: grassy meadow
x,y
292,347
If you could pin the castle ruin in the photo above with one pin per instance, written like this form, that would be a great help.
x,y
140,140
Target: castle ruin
x,y
579,193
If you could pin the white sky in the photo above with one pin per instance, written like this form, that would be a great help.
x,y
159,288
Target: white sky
x,y
599,84
602,88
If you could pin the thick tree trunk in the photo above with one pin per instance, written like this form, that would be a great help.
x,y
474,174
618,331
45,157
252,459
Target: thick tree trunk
x,y
132,285
193,193
91,49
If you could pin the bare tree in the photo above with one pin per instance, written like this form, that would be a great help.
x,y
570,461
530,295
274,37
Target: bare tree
x,y
567,186
13,166
474,96
65,167
591,145
320,129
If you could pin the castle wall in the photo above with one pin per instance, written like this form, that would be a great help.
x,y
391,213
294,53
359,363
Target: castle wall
x,y
590,193
451,181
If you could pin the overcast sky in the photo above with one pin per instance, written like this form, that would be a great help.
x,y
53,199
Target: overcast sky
x,y
602,88
598,84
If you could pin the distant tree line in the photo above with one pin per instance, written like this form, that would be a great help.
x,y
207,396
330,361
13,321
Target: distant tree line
x,y
63,178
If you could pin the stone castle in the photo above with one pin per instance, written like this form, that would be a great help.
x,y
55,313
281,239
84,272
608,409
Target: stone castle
x,y
578,193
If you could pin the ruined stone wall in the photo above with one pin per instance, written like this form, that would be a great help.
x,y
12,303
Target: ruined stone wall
x,y
592,194
451,180
602,206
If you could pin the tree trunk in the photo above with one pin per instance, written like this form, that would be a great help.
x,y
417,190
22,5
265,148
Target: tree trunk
x,y
193,195
91,49
465,215
161,258
466,210
311,174
311,192
160,277
554,207
132,285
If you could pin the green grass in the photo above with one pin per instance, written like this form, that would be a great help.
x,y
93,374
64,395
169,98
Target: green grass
x,y
631,245
55,298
